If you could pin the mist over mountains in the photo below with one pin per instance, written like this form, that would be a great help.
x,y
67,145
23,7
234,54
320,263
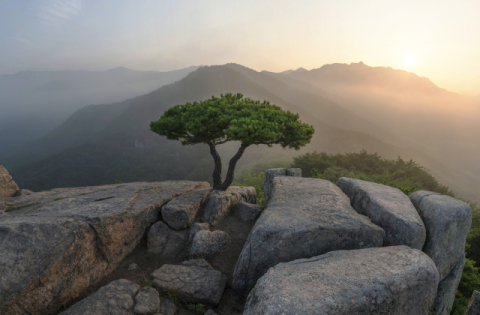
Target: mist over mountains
x,y
352,107
32,103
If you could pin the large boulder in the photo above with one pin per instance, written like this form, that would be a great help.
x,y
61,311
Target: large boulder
x,y
8,188
474,304
305,217
163,240
194,281
222,202
447,221
180,213
54,244
388,208
388,280
446,290
208,244
270,174
122,297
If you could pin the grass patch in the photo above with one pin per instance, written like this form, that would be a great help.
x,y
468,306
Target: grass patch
x,y
20,207
60,198
198,308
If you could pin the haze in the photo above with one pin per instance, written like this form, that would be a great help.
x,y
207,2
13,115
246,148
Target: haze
x,y
436,39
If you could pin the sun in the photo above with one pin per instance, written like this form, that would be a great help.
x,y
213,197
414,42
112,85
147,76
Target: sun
x,y
410,61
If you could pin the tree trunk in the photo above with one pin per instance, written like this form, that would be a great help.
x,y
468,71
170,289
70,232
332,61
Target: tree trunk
x,y
217,173
231,167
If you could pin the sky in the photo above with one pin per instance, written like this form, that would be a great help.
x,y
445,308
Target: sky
x,y
437,39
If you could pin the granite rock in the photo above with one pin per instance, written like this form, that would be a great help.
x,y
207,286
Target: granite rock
x,y
208,244
446,290
195,281
248,211
222,202
196,228
117,297
388,280
54,244
8,188
180,213
388,208
163,240
267,183
474,305
447,221
305,217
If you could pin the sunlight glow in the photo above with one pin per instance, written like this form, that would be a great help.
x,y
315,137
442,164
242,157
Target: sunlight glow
x,y
410,61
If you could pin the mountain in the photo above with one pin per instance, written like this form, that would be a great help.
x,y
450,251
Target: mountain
x,y
119,145
32,103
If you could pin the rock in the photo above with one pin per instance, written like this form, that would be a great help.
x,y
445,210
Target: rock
x,y
181,211
417,197
474,305
388,208
305,217
147,301
207,244
163,240
274,172
117,297
197,227
132,266
195,281
221,202
210,312
267,183
447,221
249,211
388,280
54,244
446,290
295,172
23,192
167,307
8,188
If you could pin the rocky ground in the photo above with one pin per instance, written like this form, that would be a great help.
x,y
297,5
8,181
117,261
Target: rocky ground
x,y
178,247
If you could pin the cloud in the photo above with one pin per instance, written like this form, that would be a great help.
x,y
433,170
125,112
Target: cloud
x,y
54,11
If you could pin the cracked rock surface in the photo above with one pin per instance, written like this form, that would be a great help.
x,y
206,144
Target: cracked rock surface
x,y
388,208
305,217
388,280
56,243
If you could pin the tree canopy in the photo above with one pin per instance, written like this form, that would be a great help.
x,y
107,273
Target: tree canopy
x,y
231,117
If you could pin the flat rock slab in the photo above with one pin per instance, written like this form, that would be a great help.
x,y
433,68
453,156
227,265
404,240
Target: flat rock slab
x,y
388,208
208,244
180,213
56,243
122,297
8,188
222,202
270,174
194,281
305,217
388,280
474,305
447,221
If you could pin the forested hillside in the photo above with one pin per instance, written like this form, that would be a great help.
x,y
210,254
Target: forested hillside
x,y
114,141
